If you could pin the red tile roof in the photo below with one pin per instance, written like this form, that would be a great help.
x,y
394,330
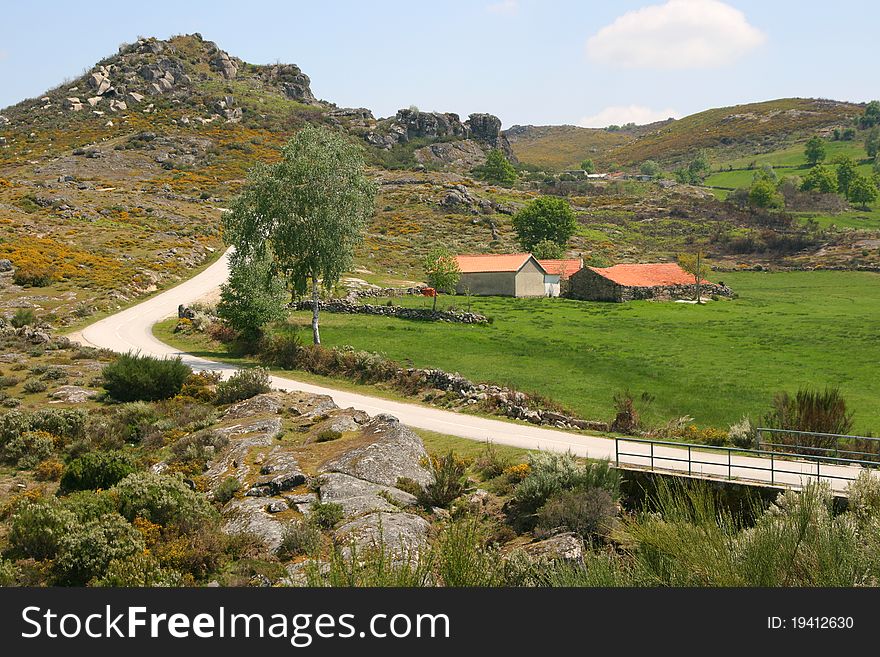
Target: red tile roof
x,y
646,275
491,262
563,268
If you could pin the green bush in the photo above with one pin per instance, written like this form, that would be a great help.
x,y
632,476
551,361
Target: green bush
x,y
8,573
95,470
551,473
86,551
327,435
226,490
88,505
162,499
448,481
587,512
490,464
27,449
242,385
37,527
301,537
133,377
139,569
23,317
34,386
64,422
325,514
464,559
281,350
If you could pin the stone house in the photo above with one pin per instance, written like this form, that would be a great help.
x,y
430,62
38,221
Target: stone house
x,y
558,273
506,275
633,282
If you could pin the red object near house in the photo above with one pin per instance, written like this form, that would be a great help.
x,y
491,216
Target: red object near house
x,y
429,292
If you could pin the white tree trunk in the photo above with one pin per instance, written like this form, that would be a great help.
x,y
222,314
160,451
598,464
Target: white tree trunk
x,y
316,334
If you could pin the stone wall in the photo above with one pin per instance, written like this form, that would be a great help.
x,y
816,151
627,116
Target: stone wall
x,y
587,285
349,307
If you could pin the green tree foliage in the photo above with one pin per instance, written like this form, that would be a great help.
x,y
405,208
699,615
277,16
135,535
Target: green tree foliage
x,y
588,166
497,169
650,168
846,171
815,150
38,527
308,211
441,271
546,218
696,170
244,384
695,264
862,191
85,552
551,473
872,142
548,249
162,499
822,411
134,377
871,117
253,296
95,470
763,194
820,179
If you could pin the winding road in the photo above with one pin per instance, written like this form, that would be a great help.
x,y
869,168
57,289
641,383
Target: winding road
x,y
131,330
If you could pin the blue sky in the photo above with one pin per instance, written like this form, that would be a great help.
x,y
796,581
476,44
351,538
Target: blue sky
x,y
528,61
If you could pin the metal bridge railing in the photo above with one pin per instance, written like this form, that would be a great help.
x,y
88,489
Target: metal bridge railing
x,y
800,448
768,461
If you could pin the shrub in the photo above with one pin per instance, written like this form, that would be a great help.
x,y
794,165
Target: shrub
x,y
587,512
33,386
301,537
448,481
88,505
49,470
64,422
27,449
95,470
627,418
139,569
281,350
200,446
325,514
23,317
133,377
8,573
244,384
465,560
809,410
226,490
551,473
162,499
327,435
514,474
86,551
38,526
742,434
489,464
8,381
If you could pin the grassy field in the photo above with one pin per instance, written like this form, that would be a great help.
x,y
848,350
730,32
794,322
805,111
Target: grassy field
x,y
715,362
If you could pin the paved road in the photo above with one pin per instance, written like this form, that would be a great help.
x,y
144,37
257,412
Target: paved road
x,y
131,330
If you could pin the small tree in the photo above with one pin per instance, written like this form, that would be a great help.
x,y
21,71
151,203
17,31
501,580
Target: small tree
x,y
846,171
695,265
588,166
872,143
309,211
820,178
497,169
763,194
253,296
441,271
548,249
863,191
815,150
650,168
546,218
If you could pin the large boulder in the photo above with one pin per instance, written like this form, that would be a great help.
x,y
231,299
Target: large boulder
x,y
73,394
265,404
279,472
560,547
392,451
402,534
357,497
250,515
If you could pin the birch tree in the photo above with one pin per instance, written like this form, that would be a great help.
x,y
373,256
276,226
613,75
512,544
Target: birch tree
x,y
309,211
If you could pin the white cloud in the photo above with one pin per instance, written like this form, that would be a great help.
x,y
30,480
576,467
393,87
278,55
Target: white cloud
x,y
504,8
678,34
621,114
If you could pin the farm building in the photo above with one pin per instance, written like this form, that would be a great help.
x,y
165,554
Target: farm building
x,y
508,275
633,282
558,271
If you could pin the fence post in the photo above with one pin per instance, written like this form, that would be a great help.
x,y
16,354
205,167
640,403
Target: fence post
x,y
616,451
818,476
729,469
689,459
772,471
652,456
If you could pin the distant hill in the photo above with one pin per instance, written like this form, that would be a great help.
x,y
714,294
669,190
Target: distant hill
x,y
727,132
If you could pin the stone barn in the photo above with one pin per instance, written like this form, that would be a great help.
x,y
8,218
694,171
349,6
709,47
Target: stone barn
x,y
558,273
633,282
506,275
